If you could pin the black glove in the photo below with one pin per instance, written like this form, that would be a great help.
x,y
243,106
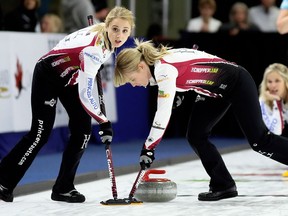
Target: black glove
x,y
178,100
146,157
106,132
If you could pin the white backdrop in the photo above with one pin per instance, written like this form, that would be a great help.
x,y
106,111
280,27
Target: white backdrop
x,y
18,54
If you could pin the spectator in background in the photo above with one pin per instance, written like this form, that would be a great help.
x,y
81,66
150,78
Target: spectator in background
x,y
51,23
23,18
265,15
101,9
273,99
282,20
205,22
238,20
74,14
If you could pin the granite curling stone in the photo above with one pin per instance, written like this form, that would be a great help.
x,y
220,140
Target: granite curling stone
x,y
156,189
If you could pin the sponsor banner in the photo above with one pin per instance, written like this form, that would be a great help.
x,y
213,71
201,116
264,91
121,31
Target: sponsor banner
x,y
19,54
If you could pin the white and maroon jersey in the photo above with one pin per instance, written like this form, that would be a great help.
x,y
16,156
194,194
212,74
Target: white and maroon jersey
x,y
77,59
183,70
274,118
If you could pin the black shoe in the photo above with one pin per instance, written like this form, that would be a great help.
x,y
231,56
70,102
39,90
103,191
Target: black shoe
x,y
215,196
71,197
5,195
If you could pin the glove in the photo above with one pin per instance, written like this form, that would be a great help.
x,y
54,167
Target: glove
x,y
178,100
106,132
146,157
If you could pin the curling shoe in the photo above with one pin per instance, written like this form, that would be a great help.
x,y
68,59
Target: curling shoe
x,y
71,197
5,195
215,196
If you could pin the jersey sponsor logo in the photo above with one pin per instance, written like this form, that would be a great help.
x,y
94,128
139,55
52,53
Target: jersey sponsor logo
x,y
93,57
223,86
67,70
207,82
204,70
184,51
60,61
51,103
89,94
162,94
162,78
100,42
199,98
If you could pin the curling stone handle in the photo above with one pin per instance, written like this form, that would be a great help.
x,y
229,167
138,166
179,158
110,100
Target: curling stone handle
x,y
152,171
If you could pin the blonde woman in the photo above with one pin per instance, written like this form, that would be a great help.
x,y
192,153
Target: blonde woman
x,y
220,85
274,99
67,73
51,23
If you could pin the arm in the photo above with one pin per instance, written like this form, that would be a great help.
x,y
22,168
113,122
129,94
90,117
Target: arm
x,y
282,21
90,64
166,93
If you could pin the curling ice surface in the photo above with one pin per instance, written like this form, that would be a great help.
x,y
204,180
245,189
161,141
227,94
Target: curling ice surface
x,y
262,191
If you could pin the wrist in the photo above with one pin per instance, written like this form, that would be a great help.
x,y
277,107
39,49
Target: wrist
x,y
105,125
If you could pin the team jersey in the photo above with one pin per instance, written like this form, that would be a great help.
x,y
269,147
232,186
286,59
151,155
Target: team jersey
x,y
276,117
183,70
76,59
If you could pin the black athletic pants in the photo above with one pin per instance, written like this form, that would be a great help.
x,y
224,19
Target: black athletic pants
x,y
46,89
243,100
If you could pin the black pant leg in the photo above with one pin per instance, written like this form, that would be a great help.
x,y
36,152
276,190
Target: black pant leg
x,y
43,101
206,112
245,105
80,131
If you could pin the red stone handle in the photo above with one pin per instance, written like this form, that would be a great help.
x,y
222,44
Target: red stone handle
x,y
146,177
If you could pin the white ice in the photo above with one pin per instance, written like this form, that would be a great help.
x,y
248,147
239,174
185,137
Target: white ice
x,y
261,187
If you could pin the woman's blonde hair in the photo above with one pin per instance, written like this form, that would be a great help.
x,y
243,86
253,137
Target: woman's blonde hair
x,y
56,23
282,70
116,12
128,59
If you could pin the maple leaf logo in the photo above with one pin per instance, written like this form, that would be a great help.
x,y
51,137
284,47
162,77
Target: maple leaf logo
x,y
19,78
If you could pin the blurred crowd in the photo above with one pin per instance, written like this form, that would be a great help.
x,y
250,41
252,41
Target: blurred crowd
x,y
69,15
66,16
261,17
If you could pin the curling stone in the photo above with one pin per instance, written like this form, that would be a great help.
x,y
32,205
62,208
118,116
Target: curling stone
x,y
156,189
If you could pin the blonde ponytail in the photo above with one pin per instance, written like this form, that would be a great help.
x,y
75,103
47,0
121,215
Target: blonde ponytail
x,y
128,59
